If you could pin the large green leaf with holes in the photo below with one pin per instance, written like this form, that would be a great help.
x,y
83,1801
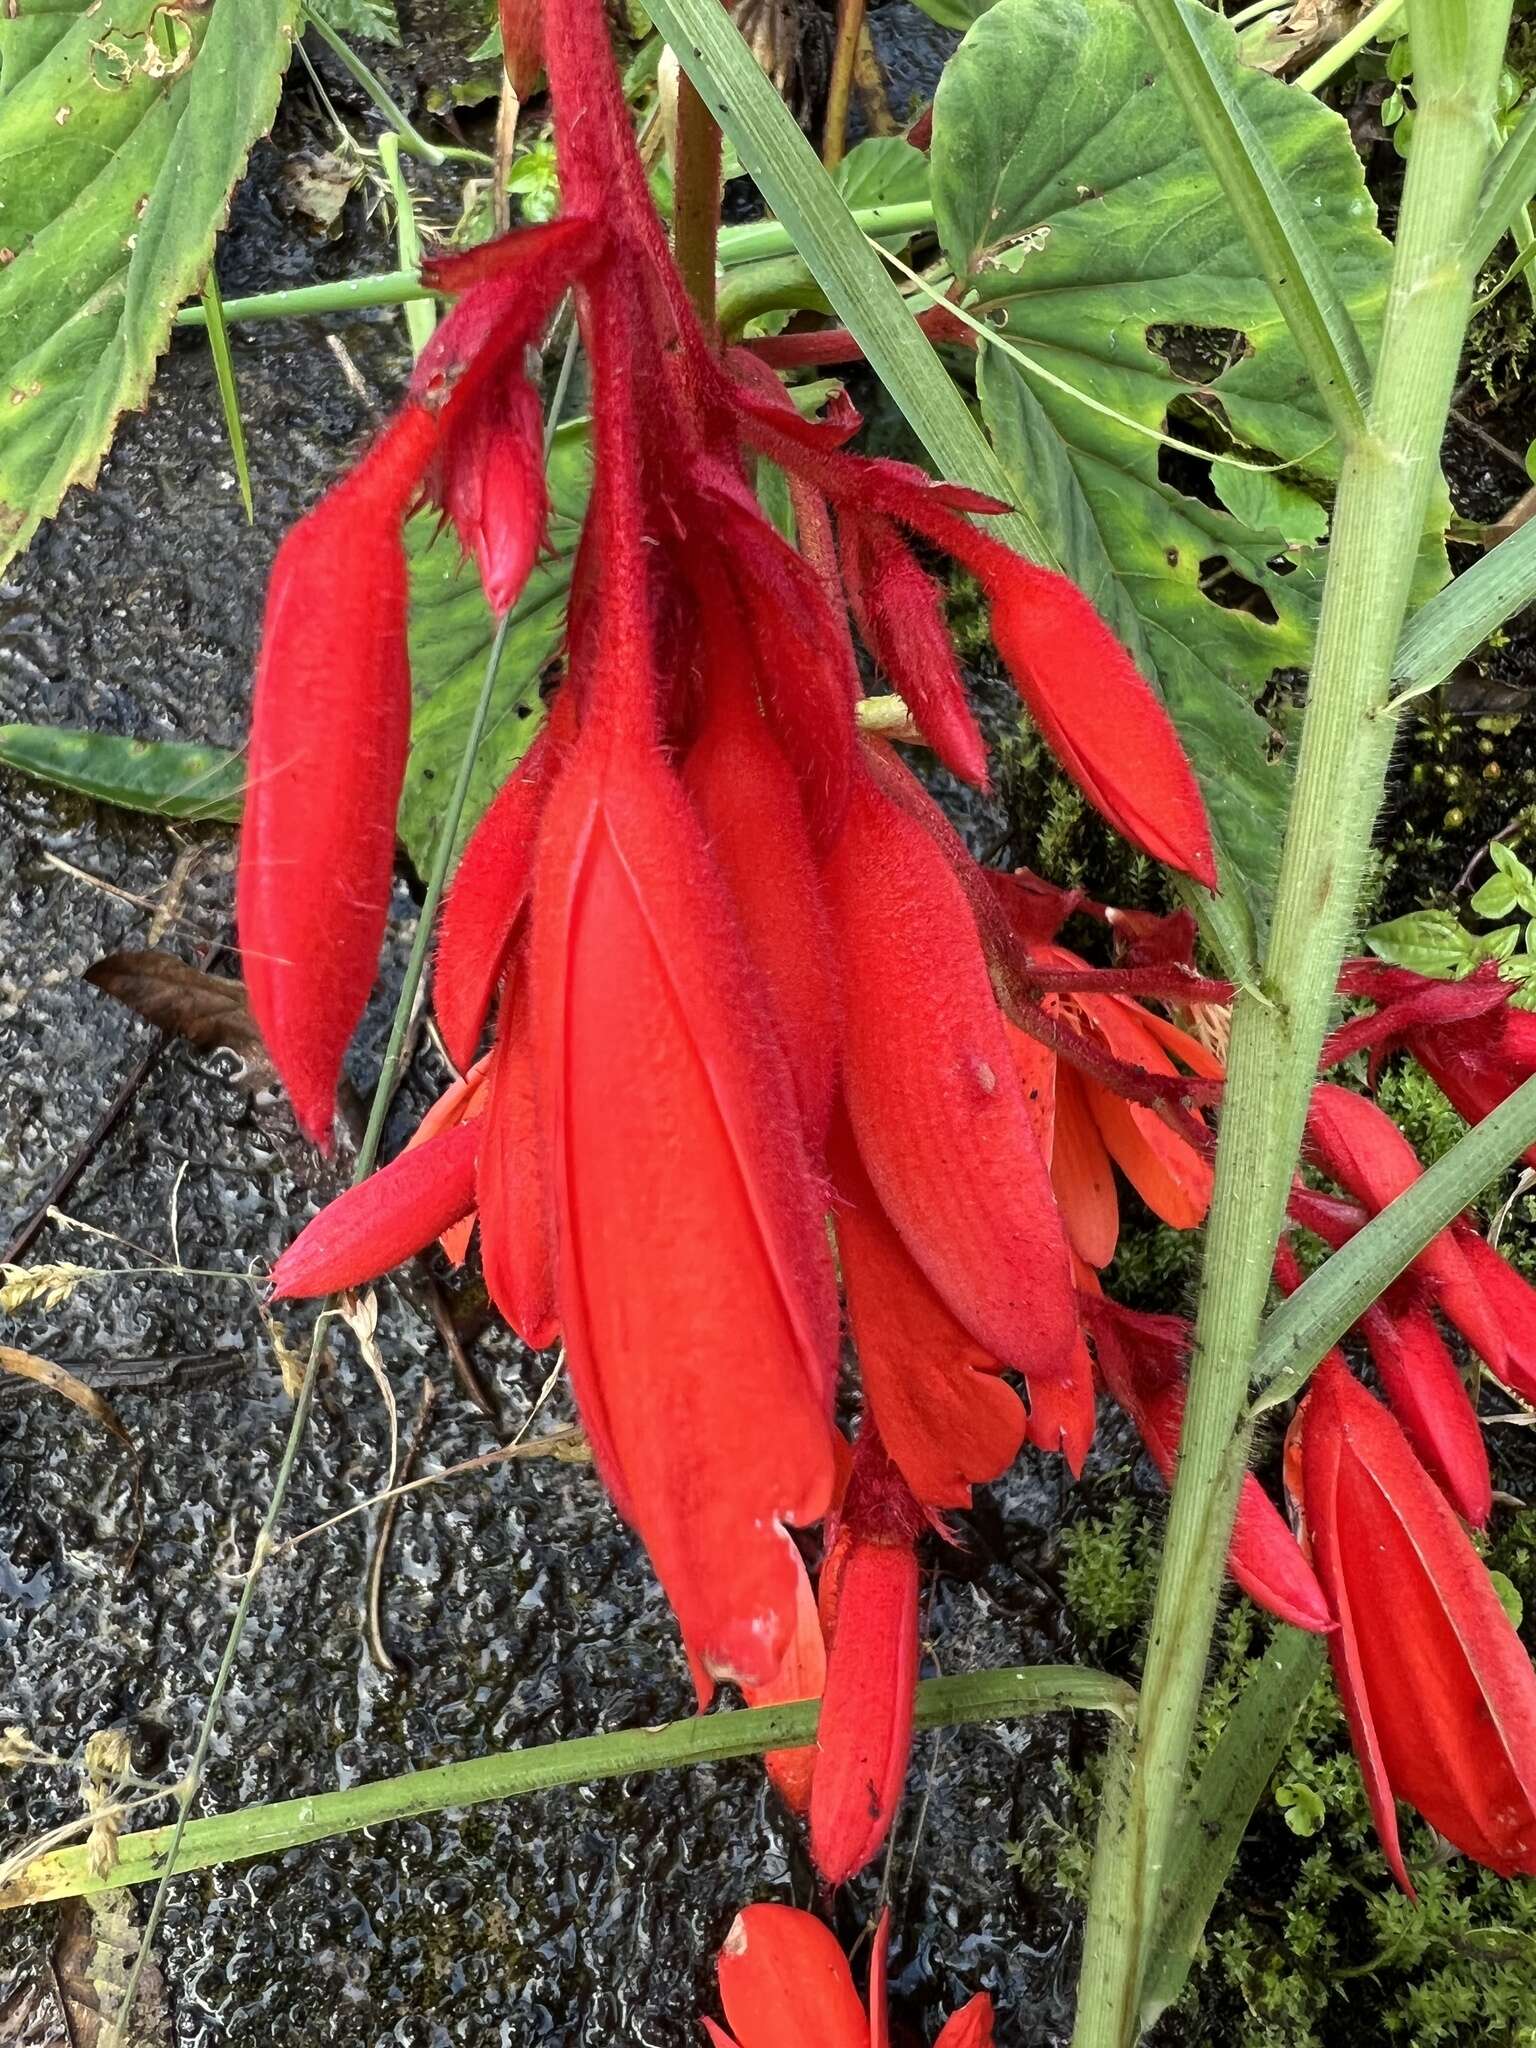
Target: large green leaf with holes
x,y
1074,200
123,127
451,634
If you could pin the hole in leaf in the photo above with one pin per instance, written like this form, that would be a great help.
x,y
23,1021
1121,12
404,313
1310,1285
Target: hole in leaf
x,y
1199,355
1234,591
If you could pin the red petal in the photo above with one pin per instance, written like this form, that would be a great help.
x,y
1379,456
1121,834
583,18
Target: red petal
x,y
1439,1690
389,1217
744,792
1063,1413
1512,1301
933,1095
865,1735
901,617
1264,1559
1170,1176
1082,1175
970,2027
456,1105
694,1280
557,248
1359,1146
486,898
1097,713
513,1188
946,1422
785,1983
802,1676
1419,1377
490,480
330,725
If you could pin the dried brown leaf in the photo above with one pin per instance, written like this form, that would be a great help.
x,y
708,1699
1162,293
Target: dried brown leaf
x,y
23,1365
208,1010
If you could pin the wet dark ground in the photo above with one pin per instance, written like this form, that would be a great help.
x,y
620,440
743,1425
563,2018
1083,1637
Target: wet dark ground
x,y
517,1606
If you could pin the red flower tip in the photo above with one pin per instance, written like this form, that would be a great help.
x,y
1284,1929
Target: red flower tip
x,y
513,1183
494,491
901,617
1358,1145
330,725
785,1983
694,1281
1512,1301
869,1613
1098,715
486,897
1429,1398
1142,1359
801,1676
970,2027
1438,1690
388,1218
946,1419
935,1104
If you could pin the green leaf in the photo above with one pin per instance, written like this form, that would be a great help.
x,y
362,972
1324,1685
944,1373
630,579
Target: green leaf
x,y
1216,1815
1509,1597
954,13
1514,870
451,632
1073,197
119,145
1304,1812
882,170
373,21
1496,898
169,778
1431,942
1496,945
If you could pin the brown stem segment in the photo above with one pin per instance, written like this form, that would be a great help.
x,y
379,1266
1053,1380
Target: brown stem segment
x,y
850,19
696,199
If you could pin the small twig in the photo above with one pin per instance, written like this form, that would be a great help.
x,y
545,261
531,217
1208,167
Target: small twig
x,y
834,141
373,1605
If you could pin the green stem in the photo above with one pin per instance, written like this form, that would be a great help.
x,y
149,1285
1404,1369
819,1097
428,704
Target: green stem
x,y
703,1738
1384,486
1508,187
1349,45
696,198
411,137
747,244
420,313
212,306
1316,1316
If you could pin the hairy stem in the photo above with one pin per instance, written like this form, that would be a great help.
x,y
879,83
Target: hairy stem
x,y
1384,487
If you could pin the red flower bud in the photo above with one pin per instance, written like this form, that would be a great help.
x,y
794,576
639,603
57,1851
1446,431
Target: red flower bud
x,y
387,1218
1438,1689
869,1615
330,724
693,1278
933,1098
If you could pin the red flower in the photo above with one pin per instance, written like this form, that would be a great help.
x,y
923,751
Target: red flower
x,y
1144,1360
708,911
868,1602
330,726
1440,1694
785,1983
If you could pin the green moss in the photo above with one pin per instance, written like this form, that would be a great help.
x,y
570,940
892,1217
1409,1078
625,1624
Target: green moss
x,y
1311,1945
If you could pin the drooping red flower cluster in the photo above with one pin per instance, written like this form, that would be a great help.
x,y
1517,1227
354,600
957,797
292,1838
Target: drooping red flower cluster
x,y
744,972
746,979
